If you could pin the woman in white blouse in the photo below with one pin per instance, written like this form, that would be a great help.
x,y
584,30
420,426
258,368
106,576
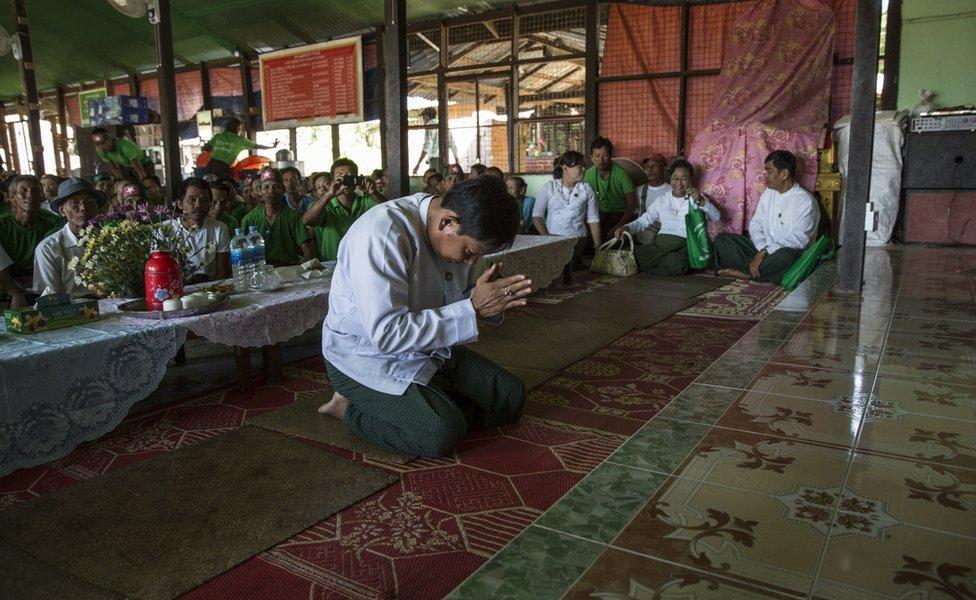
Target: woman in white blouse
x,y
668,253
567,206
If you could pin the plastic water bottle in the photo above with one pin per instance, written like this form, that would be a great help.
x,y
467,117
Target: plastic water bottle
x,y
255,249
239,260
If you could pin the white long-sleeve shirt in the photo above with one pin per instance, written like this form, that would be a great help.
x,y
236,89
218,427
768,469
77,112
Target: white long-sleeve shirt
x,y
647,194
670,212
51,259
395,308
785,220
566,211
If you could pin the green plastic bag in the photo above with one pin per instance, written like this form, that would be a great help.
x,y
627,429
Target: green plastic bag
x,y
699,247
820,250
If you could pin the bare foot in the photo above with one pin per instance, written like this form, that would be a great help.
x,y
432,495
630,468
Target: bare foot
x,y
335,407
734,273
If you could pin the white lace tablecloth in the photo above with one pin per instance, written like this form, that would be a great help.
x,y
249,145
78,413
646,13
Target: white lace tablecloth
x,y
255,319
63,387
540,257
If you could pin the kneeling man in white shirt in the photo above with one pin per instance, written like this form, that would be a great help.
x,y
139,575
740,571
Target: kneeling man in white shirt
x,y
399,313
784,225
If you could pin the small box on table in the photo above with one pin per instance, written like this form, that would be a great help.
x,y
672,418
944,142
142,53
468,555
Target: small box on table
x,y
44,318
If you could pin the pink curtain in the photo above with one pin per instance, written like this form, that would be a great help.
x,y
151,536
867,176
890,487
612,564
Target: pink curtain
x,y
773,94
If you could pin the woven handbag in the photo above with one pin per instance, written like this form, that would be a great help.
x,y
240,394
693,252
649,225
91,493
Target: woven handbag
x,y
620,262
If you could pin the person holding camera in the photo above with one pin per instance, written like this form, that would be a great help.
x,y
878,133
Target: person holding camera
x,y
331,216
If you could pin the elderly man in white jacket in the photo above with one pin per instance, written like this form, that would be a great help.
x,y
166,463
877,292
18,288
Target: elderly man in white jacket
x,y
399,312
784,225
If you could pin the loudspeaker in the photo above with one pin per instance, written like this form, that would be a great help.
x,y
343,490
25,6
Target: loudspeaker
x,y
946,217
944,160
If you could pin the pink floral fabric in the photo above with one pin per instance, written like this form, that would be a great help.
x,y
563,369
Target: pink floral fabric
x,y
773,94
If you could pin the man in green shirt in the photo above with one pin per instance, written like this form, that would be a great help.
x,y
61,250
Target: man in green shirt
x,y
223,204
331,216
226,146
23,228
123,157
614,189
286,240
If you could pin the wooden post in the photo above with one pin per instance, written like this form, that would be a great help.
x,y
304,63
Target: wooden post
x,y
514,151
133,84
395,59
29,84
591,99
867,31
167,98
683,80
248,91
61,141
382,98
205,86
892,59
443,113
336,151
293,142
5,139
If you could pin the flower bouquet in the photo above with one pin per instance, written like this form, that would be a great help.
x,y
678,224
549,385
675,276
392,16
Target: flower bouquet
x,y
117,246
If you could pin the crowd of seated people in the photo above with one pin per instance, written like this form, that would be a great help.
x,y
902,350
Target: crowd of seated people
x,y
42,220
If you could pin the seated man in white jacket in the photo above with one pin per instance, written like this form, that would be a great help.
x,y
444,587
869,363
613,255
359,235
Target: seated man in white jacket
x,y
399,314
668,253
784,225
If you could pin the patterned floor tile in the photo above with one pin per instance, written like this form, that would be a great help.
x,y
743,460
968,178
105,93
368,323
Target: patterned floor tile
x,y
660,445
601,505
937,399
898,562
760,540
805,348
538,564
619,575
834,421
701,403
936,327
849,334
764,464
911,344
811,382
944,441
774,330
917,493
931,368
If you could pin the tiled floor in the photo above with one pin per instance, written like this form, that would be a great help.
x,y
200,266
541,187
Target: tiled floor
x,y
830,453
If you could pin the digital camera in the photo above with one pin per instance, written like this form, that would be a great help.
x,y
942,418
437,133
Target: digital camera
x,y
353,180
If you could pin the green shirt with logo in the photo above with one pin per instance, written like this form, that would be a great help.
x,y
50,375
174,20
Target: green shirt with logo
x,y
283,238
124,153
335,221
20,242
228,146
611,193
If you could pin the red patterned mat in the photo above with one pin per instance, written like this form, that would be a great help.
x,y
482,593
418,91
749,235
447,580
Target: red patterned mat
x,y
423,536
622,386
583,281
741,300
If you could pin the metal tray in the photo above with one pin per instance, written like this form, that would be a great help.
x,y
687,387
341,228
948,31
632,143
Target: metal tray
x,y
137,309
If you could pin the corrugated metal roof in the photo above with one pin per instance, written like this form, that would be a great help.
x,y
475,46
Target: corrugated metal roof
x,y
84,40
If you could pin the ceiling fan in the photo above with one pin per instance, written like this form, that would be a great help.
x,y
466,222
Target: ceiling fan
x,y
9,44
137,9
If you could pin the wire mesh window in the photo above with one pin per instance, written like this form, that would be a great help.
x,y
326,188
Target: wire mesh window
x,y
478,121
645,116
709,27
540,142
552,34
480,43
642,40
226,81
423,51
698,102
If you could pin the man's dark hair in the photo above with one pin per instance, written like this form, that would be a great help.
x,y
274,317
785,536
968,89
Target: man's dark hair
x,y
435,177
99,131
601,142
377,174
783,159
195,182
19,178
519,182
291,169
681,164
155,178
486,211
478,169
344,162
222,184
232,124
52,177
495,172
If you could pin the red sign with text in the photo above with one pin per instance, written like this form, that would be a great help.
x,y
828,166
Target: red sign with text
x,y
319,84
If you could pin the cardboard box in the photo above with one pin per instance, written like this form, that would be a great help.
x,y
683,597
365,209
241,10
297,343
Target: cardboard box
x,y
32,320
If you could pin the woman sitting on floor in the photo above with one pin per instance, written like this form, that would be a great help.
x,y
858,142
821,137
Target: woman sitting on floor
x,y
566,206
668,253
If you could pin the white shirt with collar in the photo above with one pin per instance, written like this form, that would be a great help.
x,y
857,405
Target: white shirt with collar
x,y
51,259
647,194
395,308
785,220
211,232
566,211
670,212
